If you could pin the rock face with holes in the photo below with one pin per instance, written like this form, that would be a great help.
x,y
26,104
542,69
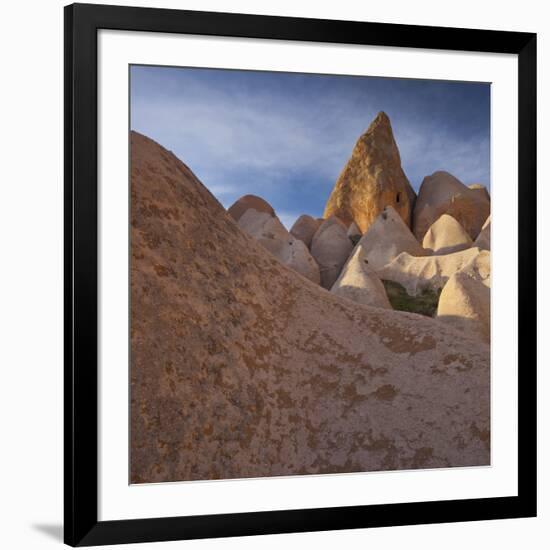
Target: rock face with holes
x,y
388,237
372,179
359,283
483,240
445,236
242,368
331,248
465,302
416,274
442,193
273,236
304,228
239,207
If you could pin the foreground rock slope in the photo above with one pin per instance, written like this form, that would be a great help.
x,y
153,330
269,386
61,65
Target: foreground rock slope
x,y
242,368
372,179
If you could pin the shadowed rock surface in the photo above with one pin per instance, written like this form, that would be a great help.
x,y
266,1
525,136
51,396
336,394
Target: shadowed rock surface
x,y
445,236
465,301
354,233
273,236
372,179
417,274
388,237
442,193
240,206
331,247
242,368
304,228
483,240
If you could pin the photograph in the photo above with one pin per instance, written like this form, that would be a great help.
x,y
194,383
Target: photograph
x,y
309,272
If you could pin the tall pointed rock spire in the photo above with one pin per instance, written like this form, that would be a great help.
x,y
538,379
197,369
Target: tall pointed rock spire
x,y
372,179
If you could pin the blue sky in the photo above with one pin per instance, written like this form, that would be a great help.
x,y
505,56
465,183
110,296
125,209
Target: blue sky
x,y
287,136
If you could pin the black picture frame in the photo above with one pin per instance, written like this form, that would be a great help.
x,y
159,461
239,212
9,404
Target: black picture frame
x,y
81,25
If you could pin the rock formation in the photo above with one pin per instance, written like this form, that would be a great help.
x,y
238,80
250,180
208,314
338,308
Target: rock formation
x,y
483,240
304,228
372,179
445,236
481,190
239,207
273,236
331,248
465,301
359,283
442,193
354,233
386,238
417,274
241,368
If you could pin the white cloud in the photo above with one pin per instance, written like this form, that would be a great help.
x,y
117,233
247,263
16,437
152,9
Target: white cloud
x,y
237,141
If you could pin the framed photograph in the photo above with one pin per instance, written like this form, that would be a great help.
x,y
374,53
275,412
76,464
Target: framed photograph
x,y
300,274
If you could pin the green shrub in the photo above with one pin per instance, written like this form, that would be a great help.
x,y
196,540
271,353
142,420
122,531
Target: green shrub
x,y
425,303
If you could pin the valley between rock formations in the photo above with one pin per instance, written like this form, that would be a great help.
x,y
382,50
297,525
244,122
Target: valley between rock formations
x,y
257,351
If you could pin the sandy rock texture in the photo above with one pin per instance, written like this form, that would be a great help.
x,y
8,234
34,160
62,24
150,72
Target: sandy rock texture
x,y
445,236
242,368
481,190
465,301
388,237
273,236
416,274
359,283
372,179
304,228
442,193
240,206
331,247
483,240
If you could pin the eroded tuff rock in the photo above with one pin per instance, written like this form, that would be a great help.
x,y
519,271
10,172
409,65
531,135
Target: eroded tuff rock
x,y
416,274
241,368
445,236
359,283
465,301
372,179
388,237
481,190
442,193
354,233
273,236
331,247
304,228
483,240
240,206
